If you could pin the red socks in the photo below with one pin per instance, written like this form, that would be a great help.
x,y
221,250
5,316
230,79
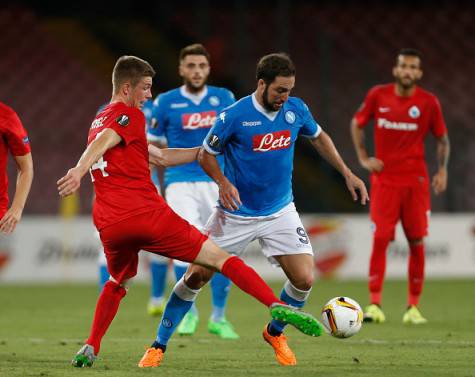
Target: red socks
x,y
248,280
377,268
106,309
416,273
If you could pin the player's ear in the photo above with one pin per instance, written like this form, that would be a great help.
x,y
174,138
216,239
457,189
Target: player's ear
x,y
261,84
421,73
180,69
394,71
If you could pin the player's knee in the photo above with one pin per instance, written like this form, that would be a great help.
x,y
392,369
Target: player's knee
x,y
196,277
304,282
416,241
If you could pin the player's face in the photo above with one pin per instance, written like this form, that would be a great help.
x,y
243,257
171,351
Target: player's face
x,y
194,69
407,71
277,92
142,92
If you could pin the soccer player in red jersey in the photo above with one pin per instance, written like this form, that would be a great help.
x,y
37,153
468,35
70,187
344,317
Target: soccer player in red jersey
x,y
131,216
403,114
14,139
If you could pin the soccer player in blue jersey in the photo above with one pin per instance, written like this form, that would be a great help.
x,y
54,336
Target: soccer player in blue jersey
x,y
182,119
257,137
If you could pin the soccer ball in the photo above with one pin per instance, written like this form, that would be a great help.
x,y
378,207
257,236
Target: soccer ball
x,y
342,317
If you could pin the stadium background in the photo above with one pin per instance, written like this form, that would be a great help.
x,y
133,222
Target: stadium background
x,y
55,65
55,72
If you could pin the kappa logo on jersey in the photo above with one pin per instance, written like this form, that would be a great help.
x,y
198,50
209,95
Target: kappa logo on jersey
x,y
271,141
26,140
178,105
398,126
414,112
123,120
204,119
251,123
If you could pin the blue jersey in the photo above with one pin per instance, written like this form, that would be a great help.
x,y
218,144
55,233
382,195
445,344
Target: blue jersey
x,y
258,148
183,121
147,110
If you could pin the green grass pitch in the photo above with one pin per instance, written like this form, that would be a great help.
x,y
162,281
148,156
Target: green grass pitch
x,y
41,328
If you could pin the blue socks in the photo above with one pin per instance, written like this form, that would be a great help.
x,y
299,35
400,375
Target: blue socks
x,y
220,286
103,276
180,301
174,312
158,274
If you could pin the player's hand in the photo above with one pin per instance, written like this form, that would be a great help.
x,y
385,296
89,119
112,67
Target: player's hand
x,y
355,184
439,181
70,183
229,195
372,164
10,219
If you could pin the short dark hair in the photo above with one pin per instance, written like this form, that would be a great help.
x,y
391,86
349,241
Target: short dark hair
x,y
130,68
273,65
407,51
194,49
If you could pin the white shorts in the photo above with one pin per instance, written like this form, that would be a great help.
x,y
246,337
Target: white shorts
x,y
193,201
281,233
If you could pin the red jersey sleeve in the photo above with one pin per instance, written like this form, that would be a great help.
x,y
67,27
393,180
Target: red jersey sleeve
x,y
16,136
437,123
367,109
129,124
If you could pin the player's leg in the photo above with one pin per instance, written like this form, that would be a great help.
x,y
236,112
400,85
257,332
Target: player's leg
x,y
184,199
385,209
122,261
220,284
285,242
415,221
181,240
103,272
188,324
179,303
158,282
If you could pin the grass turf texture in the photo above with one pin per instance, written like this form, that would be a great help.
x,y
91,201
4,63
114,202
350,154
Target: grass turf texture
x,y
42,327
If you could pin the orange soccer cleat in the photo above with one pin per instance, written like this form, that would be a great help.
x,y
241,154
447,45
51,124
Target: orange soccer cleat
x,y
283,353
152,358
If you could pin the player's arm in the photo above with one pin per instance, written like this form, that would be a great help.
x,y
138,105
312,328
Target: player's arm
x,y
371,164
23,184
106,140
171,156
439,181
325,147
228,193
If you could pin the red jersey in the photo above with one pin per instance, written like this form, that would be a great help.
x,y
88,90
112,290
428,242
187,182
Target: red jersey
x,y
122,176
401,125
13,138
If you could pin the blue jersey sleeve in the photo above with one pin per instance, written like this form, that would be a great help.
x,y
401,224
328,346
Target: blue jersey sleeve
x,y
310,127
219,134
158,123
228,97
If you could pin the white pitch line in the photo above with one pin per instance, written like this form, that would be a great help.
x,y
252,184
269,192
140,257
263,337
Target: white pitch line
x,y
419,341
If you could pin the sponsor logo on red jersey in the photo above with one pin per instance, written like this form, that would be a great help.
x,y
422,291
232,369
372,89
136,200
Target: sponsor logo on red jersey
x,y
193,121
271,141
398,126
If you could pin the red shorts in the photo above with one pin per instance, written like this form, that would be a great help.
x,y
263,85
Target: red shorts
x,y
410,204
159,231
